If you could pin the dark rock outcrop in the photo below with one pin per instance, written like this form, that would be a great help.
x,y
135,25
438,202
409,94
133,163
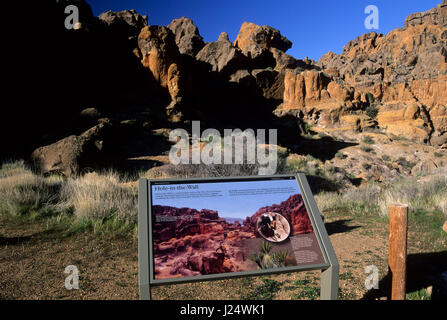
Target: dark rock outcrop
x,y
187,36
221,56
127,22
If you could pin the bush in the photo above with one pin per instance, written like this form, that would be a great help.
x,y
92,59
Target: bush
x,y
372,111
366,149
99,197
340,155
367,140
23,192
366,166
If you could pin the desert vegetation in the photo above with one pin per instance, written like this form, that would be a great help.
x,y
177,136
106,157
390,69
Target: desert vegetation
x,y
93,201
108,198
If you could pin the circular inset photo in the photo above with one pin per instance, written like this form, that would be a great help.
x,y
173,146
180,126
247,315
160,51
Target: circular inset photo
x,y
273,227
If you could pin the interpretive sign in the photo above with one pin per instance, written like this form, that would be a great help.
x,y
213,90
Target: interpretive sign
x,y
209,229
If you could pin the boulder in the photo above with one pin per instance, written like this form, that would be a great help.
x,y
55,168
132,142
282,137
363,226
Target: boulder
x,y
257,43
222,57
72,154
187,36
253,38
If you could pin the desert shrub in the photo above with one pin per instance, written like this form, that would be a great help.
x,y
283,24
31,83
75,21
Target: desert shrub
x,y
438,155
366,149
23,192
340,155
366,166
405,163
372,111
368,140
328,201
428,194
99,197
370,98
264,291
214,170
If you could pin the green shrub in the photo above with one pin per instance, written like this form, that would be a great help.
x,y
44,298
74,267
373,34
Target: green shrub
x,y
264,291
372,111
367,140
340,155
366,149
366,166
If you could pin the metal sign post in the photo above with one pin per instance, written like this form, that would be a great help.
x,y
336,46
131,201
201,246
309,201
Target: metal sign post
x,y
146,262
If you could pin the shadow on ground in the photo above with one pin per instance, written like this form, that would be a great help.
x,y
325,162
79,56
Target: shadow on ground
x,y
339,226
14,240
423,270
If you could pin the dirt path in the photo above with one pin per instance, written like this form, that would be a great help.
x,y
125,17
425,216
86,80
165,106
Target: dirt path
x,y
33,260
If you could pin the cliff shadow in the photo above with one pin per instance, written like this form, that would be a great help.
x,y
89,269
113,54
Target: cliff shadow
x,y
323,149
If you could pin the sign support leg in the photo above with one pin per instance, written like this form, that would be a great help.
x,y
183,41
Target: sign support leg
x,y
329,283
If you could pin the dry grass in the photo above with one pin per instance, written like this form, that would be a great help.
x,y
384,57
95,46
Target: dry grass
x,y
427,193
22,191
99,196
420,193
88,201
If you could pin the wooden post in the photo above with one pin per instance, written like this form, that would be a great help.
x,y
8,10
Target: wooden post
x,y
397,259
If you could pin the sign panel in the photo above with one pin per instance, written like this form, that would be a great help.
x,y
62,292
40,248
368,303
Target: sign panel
x,y
204,229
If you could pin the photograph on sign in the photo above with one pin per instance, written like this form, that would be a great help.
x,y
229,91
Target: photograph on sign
x,y
220,227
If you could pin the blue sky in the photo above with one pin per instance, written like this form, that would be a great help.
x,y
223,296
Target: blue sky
x,y
314,27
232,206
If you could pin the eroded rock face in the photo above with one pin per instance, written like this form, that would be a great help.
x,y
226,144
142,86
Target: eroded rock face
x,y
436,16
187,36
222,56
128,22
264,46
402,75
161,56
253,37
159,51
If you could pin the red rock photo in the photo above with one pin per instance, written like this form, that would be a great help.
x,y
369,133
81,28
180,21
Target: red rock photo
x,y
189,242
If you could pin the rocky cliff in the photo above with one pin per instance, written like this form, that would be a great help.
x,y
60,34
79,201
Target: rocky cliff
x,y
139,78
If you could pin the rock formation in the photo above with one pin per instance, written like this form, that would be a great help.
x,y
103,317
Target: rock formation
x,y
151,76
187,36
403,72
